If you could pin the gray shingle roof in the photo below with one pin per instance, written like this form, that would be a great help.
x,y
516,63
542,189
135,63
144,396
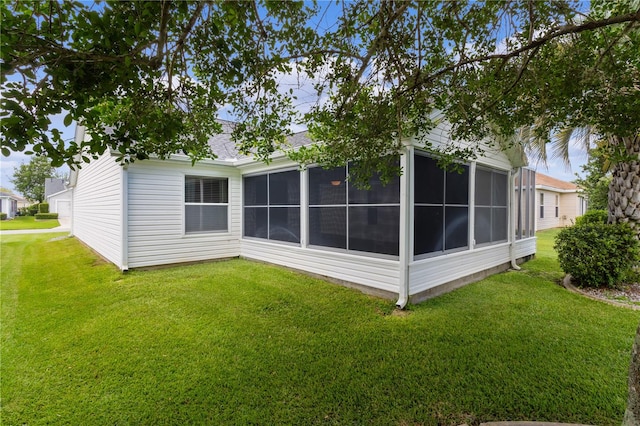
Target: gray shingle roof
x,y
222,145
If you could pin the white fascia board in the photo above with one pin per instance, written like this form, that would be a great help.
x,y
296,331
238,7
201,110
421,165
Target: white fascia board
x,y
554,189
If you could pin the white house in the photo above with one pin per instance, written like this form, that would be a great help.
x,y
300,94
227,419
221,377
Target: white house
x,y
9,204
427,232
58,195
558,203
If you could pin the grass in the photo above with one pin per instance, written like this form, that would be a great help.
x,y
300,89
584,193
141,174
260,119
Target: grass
x,y
28,222
238,342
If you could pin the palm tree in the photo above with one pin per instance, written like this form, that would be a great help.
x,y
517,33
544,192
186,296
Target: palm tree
x,y
623,205
623,163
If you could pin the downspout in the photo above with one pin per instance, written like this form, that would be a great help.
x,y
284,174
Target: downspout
x,y
512,217
124,218
405,230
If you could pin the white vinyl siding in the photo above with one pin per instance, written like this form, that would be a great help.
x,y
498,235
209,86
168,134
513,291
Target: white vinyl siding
x,y
374,272
97,207
61,203
156,215
432,272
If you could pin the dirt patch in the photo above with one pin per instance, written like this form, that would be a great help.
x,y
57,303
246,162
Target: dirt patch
x,y
400,313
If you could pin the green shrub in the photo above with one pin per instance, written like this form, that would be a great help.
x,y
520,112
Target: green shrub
x,y
593,216
3,216
33,209
43,208
46,215
598,254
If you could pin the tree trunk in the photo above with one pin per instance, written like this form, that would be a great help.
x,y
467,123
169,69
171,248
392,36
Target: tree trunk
x,y
624,206
632,415
624,190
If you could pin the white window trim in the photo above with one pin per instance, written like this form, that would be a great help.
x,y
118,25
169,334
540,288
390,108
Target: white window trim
x,y
201,234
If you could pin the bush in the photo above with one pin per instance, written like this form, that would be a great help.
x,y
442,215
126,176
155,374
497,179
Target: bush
x,y
46,215
33,209
598,254
593,216
43,208
3,216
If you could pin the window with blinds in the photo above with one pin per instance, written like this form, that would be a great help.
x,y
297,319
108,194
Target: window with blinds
x,y
206,204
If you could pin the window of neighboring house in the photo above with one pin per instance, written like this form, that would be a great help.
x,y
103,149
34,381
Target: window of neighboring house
x,y
541,206
206,204
557,205
272,206
491,218
441,207
343,216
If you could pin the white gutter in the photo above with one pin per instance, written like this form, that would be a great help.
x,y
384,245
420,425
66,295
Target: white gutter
x,y
512,221
405,226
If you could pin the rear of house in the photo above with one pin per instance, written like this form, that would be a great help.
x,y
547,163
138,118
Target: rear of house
x,y
428,231
558,203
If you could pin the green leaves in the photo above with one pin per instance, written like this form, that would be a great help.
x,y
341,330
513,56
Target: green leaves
x,y
150,78
598,254
28,179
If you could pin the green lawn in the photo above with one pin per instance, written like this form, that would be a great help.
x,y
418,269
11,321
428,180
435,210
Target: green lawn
x,y
238,342
28,222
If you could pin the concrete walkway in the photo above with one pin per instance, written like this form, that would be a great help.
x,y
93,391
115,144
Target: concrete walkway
x,y
529,424
65,226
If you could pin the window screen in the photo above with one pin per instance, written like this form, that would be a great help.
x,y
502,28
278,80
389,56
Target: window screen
x,y
441,207
344,216
525,183
206,204
272,206
491,219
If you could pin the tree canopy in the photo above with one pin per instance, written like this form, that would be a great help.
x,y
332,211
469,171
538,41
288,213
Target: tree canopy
x,y
29,178
150,78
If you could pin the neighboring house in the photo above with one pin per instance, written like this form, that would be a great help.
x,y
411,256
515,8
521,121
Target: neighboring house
x,y
60,203
53,186
22,202
59,196
427,232
9,204
558,202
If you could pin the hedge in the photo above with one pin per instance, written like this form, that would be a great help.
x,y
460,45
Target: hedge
x,y
3,216
46,215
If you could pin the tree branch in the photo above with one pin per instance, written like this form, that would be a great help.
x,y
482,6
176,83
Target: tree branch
x,y
536,44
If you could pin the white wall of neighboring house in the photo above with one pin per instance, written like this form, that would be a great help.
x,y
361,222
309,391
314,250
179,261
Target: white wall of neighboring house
x,y
546,210
61,203
558,203
8,205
